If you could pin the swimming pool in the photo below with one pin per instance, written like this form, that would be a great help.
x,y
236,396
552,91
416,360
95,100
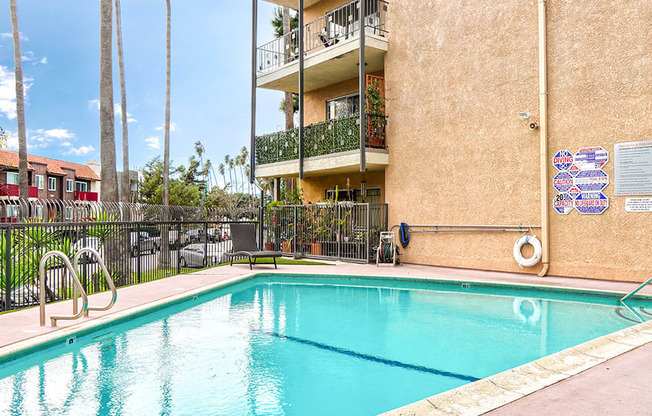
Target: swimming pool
x,y
305,345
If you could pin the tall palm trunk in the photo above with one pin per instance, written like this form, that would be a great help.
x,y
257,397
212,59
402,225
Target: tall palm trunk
x,y
109,183
165,259
126,180
20,105
289,102
166,151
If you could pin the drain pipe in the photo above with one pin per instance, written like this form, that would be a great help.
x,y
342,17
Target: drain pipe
x,y
543,138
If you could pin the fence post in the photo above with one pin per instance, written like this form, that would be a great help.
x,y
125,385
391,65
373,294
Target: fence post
x,y
206,243
7,254
138,255
368,251
261,244
339,228
179,250
296,237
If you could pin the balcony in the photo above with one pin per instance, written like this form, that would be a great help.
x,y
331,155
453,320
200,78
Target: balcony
x,y
14,190
331,49
86,196
294,4
330,147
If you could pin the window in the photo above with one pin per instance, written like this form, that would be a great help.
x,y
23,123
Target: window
x,y
39,181
12,178
69,185
346,106
52,184
12,211
81,186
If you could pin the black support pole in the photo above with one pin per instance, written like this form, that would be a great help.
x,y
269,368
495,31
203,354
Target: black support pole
x,y
301,68
363,99
254,41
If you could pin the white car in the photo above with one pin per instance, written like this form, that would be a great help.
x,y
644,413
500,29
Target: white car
x,y
193,255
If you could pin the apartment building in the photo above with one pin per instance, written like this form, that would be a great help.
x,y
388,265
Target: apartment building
x,y
48,179
518,113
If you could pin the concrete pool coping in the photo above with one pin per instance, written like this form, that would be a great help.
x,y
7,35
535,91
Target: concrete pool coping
x,y
21,330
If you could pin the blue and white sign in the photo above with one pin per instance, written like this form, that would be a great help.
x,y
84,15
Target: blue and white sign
x,y
574,170
563,181
591,203
562,160
591,180
591,158
563,203
574,191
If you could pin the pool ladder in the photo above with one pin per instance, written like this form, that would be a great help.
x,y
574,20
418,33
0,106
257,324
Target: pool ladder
x,y
632,293
77,286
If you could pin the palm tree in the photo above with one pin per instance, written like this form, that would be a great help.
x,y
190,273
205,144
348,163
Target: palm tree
x,y
166,151
20,105
244,153
126,180
229,164
220,169
109,183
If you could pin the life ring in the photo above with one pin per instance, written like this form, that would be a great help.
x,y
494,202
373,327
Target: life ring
x,y
534,242
536,310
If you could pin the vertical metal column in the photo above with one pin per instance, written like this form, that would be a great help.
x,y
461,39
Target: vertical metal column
x,y
363,99
7,254
254,41
301,87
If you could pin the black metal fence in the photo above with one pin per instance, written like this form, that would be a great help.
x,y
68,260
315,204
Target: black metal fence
x,y
134,252
344,231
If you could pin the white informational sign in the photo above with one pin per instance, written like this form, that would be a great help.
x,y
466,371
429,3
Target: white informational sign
x,y
638,205
633,168
591,158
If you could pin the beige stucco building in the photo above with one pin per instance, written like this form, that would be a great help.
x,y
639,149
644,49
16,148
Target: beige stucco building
x,y
451,147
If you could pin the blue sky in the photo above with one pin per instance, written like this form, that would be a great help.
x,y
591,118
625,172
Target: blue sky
x,y
210,98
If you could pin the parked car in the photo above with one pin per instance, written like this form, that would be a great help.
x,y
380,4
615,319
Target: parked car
x,y
141,240
193,255
175,239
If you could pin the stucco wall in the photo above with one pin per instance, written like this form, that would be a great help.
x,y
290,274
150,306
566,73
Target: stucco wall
x,y
458,73
314,187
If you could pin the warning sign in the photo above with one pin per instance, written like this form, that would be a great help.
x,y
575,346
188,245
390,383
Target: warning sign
x,y
591,203
591,158
591,180
638,205
563,203
562,182
574,191
562,160
574,170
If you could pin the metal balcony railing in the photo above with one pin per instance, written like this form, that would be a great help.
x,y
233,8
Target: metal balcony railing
x,y
336,26
324,138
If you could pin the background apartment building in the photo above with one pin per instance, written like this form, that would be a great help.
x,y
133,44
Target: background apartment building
x,y
470,103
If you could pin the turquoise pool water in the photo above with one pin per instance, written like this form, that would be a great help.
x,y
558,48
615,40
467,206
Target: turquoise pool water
x,y
303,346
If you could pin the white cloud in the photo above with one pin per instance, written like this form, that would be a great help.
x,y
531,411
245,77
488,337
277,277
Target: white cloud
x,y
79,151
153,142
94,104
30,57
8,92
42,138
173,127
7,35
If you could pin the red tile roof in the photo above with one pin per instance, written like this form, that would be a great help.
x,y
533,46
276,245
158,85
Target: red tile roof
x,y
54,167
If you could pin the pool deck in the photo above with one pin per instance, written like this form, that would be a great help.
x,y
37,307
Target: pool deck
x,y
605,383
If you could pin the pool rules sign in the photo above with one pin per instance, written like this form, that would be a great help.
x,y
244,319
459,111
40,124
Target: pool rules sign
x,y
580,180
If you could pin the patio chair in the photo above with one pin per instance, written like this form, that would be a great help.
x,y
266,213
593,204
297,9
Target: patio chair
x,y
243,238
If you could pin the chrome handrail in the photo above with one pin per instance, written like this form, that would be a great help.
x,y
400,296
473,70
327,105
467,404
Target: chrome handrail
x,y
633,292
107,276
76,285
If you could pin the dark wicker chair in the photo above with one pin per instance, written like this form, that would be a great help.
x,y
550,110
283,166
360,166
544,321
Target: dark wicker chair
x,y
243,238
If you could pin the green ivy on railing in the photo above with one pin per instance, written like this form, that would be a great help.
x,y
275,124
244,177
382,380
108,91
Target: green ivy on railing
x,y
323,138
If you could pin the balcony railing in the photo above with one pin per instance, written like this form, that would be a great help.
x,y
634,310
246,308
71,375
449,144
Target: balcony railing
x,y
86,196
324,138
326,31
14,190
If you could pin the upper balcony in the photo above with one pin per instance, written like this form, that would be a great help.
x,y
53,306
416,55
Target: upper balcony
x,y
86,196
294,4
331,43
331,146
14,190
